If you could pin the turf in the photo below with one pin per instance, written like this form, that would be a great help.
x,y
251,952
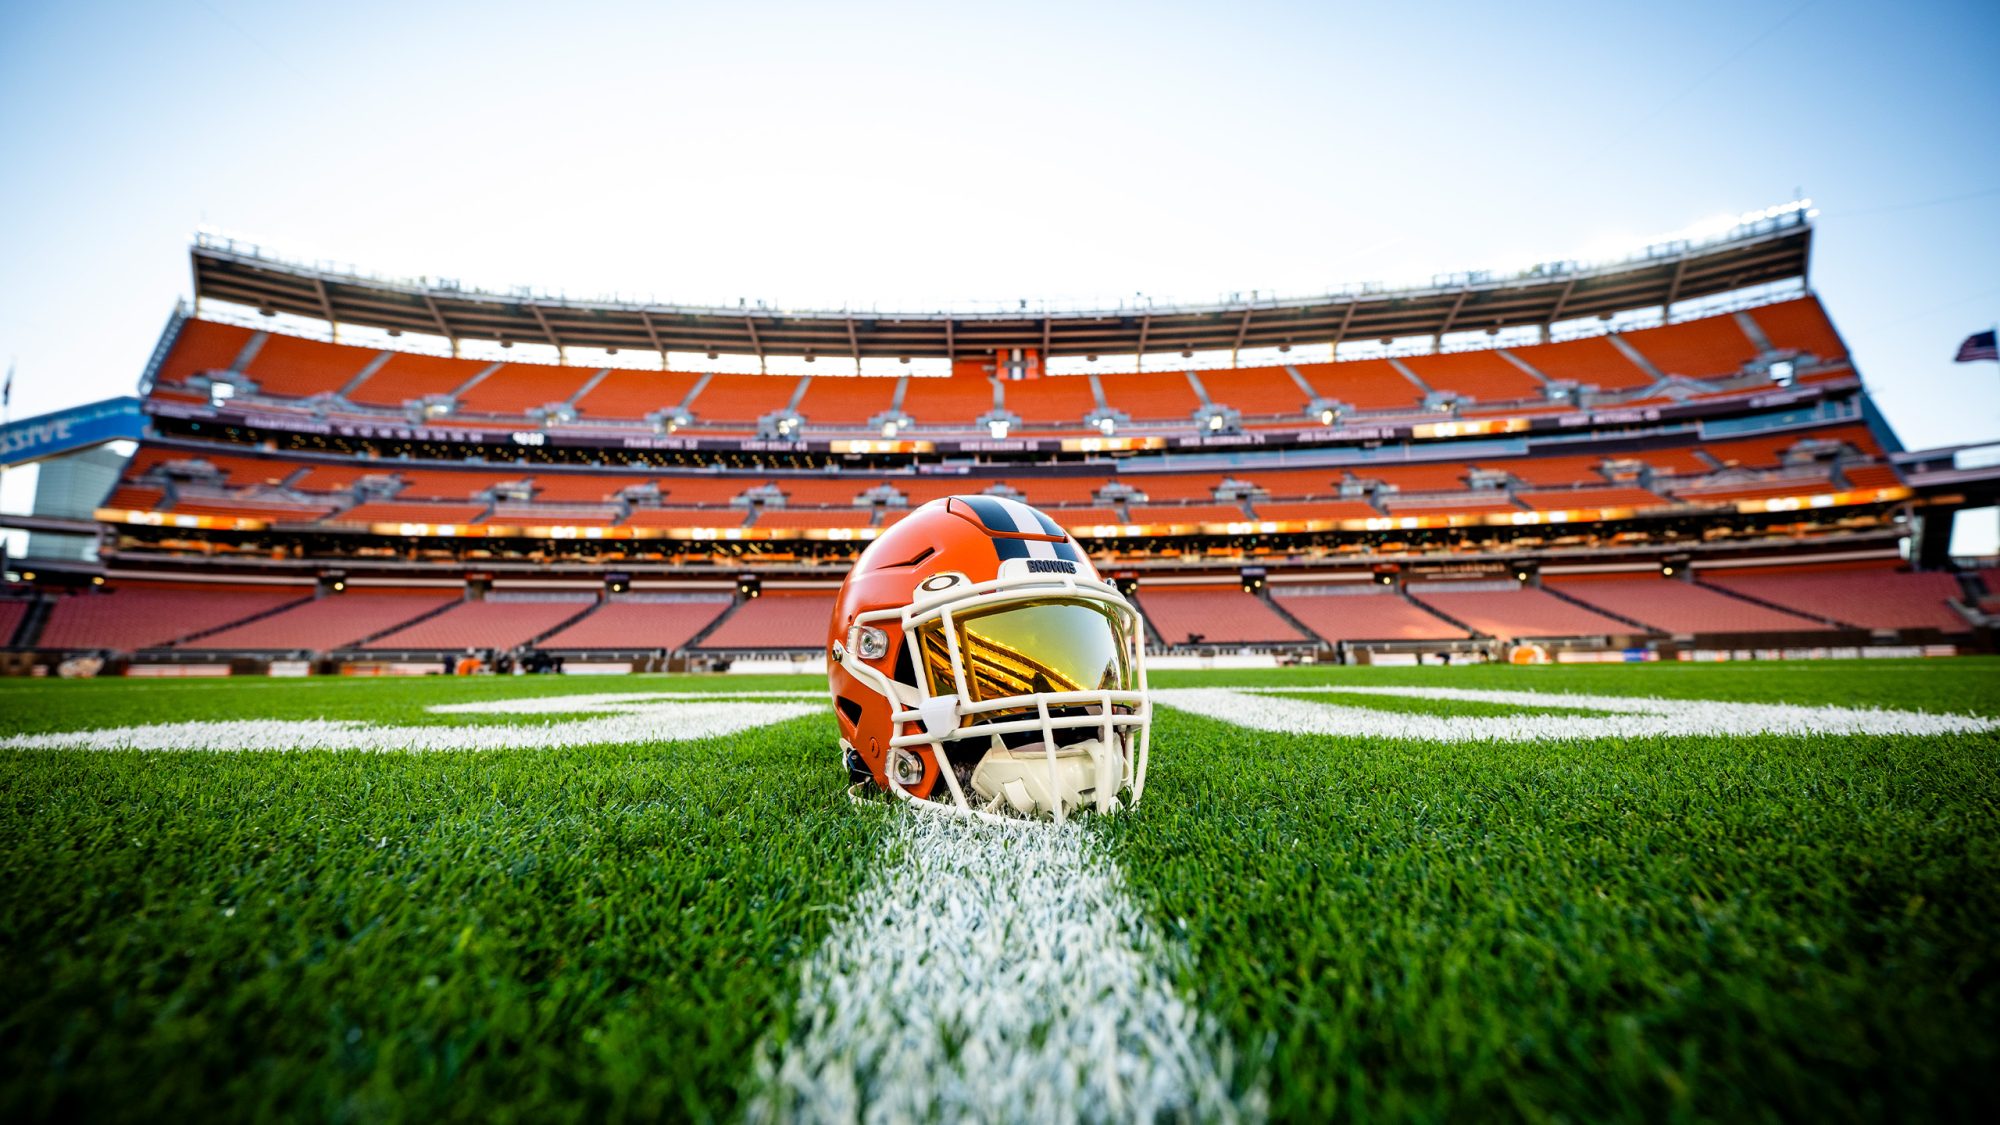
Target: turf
x,y
1686,927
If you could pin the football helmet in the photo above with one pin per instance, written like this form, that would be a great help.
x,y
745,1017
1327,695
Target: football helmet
x,y
978,662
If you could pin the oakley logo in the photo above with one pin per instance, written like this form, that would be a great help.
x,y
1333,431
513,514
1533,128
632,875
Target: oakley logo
x,y
1050,566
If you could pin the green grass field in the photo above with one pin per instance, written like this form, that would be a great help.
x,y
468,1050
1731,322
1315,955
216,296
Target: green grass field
x,y
1764,927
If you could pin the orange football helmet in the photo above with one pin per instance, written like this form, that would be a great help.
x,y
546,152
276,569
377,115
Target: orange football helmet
x,y
977,661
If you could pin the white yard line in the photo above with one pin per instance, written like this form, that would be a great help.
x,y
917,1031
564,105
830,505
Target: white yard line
x,y
994,973
649,722
1633,717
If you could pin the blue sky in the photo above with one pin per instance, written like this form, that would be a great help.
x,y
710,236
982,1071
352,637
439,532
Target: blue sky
x,y
911,155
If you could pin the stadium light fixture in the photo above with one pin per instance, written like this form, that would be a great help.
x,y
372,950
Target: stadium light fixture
x,y
889,428
1107,426
339,586
997,428
1214,422
1327,417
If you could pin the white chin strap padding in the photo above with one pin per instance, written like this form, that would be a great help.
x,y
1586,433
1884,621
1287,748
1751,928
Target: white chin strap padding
x,y
1084,772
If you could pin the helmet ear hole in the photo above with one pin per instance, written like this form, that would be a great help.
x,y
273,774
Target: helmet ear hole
x,y
850,708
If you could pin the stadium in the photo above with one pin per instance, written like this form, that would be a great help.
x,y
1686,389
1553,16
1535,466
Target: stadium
x,y
1664,457
811,655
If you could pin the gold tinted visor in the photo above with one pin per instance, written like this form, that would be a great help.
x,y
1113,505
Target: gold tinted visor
x,y
1038,645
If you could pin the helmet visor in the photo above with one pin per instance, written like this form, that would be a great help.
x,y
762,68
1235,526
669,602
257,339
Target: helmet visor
x,y
1038,645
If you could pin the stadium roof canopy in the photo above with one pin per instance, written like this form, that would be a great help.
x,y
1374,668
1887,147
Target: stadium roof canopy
x,y
1774,247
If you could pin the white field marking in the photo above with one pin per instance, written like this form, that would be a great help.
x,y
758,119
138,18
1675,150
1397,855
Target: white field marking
x,y
1631,717
668,717
994,973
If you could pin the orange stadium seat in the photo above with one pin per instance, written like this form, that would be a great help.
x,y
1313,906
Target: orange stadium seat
x,y
339,478
1371,613
1576,499
832,491
797,518
1591,361
633,394
1071,518
582,488
134,499
295,367
717,517
273,510
705,489
1186,513
328,622
846,400
1053,400
1803,325
128,617
500,621
202,345
1869,595
1680,608
1524,612
517,388
1872,476
1316,510
1218,614
779,619
1151,396
956,401
742,398
449,484
1048,492
1257,392
1551,471
1482,375
408,378
1168,487
1713,347
384,511
1786,486
640,623
12,611
241,472
1299,483
1364,384
1439,476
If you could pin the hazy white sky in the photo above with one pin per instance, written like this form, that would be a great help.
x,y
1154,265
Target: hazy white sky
x,y
910,155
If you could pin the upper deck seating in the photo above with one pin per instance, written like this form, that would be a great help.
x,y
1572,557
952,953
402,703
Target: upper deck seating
x,y
1256,392
1151,396
1434,476
1484,502
1591,361
830,491
777,518
547,515
781,619
1551,472
1512,613
846,400
1713,347
339,478
1795,485
410,378
274,510
1186,513
582,488
1364,384
718,518
626,393
1872,476
641,622
450,484
127,618
1582,499
1370,613
500,621
1869,595
517,388
956,401
391,511
295,367
236,471
1680,608
1670,462
134,498
742,399
1483,375
202,346
706,488
1802,325
1052,400
1072,518
1315,510
1299,483
1217,614
1167,487
328,622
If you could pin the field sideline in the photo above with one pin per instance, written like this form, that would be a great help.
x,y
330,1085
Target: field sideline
x,y
1372,904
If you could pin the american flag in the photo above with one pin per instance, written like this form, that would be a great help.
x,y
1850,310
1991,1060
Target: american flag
x,y
1978,346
